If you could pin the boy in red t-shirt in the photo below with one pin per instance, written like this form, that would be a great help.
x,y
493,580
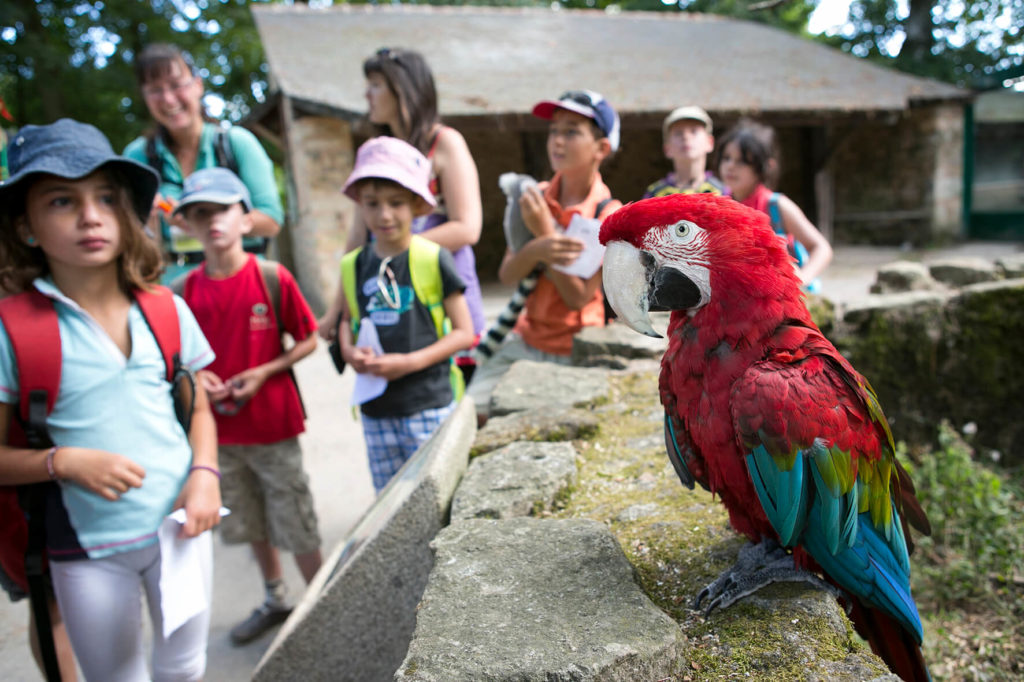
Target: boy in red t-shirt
x,y
583,132
252,390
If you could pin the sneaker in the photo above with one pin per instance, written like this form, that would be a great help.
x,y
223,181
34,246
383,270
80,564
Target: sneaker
x,y
259,621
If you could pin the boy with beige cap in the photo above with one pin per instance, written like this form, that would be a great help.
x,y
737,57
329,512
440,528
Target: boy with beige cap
x,y
687,143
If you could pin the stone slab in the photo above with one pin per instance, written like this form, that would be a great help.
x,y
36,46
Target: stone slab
x,y
358,614
520,479
536,600
528,385
542,424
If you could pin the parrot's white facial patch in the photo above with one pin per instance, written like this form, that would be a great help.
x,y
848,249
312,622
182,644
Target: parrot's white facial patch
x,y
683,246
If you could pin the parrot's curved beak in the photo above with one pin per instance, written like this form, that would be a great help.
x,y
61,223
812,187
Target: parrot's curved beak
x,y
628,275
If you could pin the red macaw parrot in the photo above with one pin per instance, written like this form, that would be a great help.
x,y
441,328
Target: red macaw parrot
x,y
763,411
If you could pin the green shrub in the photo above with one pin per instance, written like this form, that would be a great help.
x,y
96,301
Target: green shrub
x,y
977,540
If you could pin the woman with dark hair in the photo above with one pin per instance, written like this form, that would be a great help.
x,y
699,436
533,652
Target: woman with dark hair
x,y
749,165
184,139
402,103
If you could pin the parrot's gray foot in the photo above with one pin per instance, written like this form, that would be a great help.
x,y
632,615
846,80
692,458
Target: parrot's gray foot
x,y
758,565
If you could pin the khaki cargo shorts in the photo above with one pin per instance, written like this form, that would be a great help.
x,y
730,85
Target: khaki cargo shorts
x,y
267,491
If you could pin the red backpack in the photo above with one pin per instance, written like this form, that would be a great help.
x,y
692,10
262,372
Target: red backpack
x,y
31,324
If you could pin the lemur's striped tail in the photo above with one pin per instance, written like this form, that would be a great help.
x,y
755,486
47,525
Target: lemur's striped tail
x,y
491,339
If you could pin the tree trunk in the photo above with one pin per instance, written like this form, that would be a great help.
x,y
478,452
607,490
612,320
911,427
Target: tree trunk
x,y
917,48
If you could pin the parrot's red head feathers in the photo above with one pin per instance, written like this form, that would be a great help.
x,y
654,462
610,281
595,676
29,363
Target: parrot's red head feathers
x,y
686,251
734,231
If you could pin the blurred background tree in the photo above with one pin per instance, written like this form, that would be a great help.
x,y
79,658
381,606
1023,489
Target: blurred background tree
x,y
963,42
75,58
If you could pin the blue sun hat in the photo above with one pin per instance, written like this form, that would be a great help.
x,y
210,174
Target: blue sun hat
x,y
72,150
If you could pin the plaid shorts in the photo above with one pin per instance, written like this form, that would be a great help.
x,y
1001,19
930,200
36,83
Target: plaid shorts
x,y
267,491
391,441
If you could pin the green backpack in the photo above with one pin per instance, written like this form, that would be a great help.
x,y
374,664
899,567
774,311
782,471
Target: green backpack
x,y
426,283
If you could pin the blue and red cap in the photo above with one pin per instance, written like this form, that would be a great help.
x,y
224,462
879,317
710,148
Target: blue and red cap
x,y
585,103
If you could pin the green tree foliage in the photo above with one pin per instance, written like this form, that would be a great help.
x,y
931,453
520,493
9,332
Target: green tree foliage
x,y
959,42
75,57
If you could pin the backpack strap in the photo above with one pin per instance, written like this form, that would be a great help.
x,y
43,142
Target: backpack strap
x,y
31,323
425,273
153,159
271,276
272,283
796,250
161,315
601,206
348,283
224,152
774,215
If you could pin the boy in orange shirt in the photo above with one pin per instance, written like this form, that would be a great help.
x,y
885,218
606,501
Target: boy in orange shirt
x,y
583,132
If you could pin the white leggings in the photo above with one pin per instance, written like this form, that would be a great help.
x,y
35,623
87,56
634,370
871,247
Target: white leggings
x,y
100,602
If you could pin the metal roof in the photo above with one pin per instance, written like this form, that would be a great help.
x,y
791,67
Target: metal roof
x,y
489,61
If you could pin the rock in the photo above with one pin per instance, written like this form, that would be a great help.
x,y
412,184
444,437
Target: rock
x,y
983,374
910,304
536,600
540,424
612,345
1012,266
636,512
520,479
903,276
787,632
959,272
530,384
822,310
356,618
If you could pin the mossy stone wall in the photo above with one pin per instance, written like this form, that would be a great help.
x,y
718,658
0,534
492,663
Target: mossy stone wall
x,y
935,356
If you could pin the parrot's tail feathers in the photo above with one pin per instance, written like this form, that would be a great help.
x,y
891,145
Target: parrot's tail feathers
x,y
891,642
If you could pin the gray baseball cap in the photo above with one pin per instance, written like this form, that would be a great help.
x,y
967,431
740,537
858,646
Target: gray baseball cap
x,y
216,185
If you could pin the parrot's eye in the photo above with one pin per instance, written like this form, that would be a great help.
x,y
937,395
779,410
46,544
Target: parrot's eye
x,y
684,228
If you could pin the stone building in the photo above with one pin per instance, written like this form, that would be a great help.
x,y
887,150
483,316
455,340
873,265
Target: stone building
x,y
872,155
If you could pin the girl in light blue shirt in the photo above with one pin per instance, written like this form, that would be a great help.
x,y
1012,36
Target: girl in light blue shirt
x,y
71,218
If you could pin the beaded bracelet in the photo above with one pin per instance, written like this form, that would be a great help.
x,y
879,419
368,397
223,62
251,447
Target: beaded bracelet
x,y
49,463
212,470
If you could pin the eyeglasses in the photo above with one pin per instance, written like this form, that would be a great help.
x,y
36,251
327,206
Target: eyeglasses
x,y
158,91
389,290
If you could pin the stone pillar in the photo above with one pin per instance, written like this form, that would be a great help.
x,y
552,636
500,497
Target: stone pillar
x,y
320,158
948,172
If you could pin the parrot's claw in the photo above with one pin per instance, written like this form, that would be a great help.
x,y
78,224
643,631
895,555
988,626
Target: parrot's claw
x,y
758,565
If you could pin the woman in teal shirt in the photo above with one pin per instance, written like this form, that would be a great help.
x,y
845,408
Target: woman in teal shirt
x,y
184,140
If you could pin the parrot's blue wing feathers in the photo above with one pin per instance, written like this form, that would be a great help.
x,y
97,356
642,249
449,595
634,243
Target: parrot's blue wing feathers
x,y
870,570
806,507
674,455
782,493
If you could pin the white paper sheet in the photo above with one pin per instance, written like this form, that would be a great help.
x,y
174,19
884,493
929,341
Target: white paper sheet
x,y
587,231
368,386
186,572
